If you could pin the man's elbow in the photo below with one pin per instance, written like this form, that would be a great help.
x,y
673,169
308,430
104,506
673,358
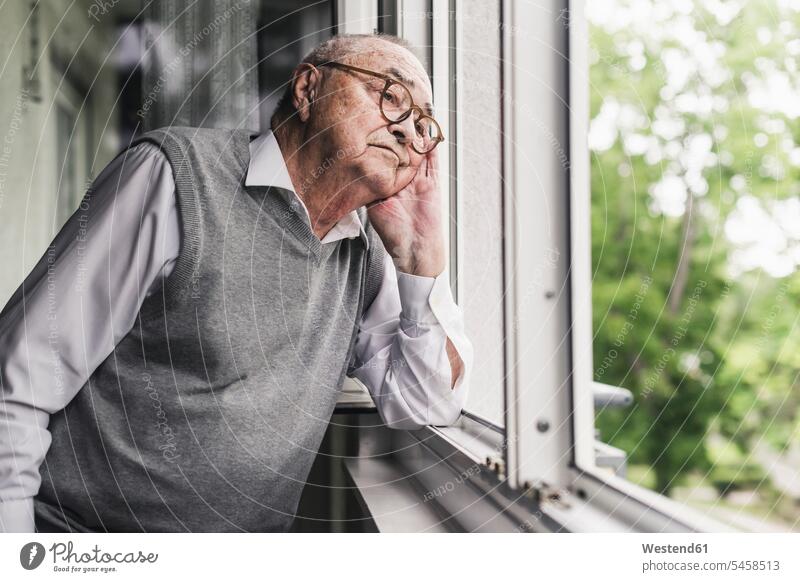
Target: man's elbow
x,y
445,413
441,415
404,424
402,419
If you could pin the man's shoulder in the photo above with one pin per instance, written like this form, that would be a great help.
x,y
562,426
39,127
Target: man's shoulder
x,y
195,135
200,145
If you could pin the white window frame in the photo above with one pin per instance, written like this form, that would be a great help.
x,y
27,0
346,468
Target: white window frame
x,y
550,381
537,317
651,510
444,35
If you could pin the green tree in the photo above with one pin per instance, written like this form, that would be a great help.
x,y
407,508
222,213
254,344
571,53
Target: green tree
x,y
687,139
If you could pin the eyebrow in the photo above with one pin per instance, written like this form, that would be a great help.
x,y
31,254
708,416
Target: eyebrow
x,y
393,72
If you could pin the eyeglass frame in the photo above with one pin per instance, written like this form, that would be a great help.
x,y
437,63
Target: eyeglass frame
x,y
389,82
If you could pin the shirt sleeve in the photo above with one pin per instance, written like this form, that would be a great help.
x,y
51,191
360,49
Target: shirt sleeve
x,y
80,299
400,352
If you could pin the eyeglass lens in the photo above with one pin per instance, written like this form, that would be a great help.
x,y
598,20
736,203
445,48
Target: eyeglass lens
x,y
396,100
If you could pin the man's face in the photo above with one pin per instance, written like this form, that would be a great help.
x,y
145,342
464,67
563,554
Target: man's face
x,y
373,156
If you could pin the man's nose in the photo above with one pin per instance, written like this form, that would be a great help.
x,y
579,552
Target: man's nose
x,y
404,130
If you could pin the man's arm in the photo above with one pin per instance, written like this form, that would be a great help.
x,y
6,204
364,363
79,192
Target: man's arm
x,y
456,363
408,341
79,300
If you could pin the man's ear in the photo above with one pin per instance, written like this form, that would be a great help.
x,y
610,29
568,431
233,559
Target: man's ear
x,y
306,81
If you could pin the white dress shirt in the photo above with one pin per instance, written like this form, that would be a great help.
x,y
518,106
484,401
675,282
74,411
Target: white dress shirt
x,y
84,295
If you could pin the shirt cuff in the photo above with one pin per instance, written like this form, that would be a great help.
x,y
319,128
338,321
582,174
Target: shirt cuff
x,y
429,301
451,319
414,294
16,516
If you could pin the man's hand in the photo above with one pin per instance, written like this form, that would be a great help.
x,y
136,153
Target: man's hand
x,y
410,222
410,226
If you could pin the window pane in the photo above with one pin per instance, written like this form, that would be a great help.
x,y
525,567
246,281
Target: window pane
x,y
65,167
286,33
480,171
695,243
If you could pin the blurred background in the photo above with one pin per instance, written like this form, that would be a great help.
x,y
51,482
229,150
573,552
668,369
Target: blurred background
x,y
695,152
82,78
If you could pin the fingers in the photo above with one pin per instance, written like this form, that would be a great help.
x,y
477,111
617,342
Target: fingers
x,y
433,163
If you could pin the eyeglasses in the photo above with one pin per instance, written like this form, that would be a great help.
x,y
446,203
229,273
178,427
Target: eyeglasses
x,y
397,104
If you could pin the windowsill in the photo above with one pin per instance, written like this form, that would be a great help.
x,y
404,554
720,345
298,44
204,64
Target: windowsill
x,y
391,497
446,479
653,512
400,483
354,397
427,480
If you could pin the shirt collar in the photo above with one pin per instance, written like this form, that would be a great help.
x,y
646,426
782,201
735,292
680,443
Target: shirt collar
x,y
268,168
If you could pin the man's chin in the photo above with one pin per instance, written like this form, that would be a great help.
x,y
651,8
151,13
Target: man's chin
x,y
382,173
381,188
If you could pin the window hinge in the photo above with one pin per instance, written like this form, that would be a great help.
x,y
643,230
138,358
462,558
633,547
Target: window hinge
x,y
496,464
542,492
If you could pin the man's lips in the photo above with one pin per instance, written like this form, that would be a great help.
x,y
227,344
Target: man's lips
x,y
399,158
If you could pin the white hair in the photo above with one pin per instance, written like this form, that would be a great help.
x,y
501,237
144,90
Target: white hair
x,y
333,49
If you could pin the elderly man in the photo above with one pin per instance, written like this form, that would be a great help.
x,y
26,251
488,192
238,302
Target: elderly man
x,y
173,360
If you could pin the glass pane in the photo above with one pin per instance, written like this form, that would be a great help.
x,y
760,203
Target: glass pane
x,y
481,252
395,101
68,196
695,250
286,33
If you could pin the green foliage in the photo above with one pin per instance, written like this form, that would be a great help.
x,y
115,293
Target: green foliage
x,y
681,138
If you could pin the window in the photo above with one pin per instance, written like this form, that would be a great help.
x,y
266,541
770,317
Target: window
x,y
551,279
695,251
71,164
284,38
478,217
466,79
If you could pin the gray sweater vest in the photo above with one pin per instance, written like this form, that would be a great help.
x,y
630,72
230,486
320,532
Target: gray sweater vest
x,y
209,412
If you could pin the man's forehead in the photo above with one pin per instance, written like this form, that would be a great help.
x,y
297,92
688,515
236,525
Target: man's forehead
x,y
380,55
398,63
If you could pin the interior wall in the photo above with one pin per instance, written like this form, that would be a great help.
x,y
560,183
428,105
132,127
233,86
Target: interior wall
x,y
36,47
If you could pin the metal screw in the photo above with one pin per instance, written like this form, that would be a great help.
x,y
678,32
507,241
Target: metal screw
x,y
542,425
